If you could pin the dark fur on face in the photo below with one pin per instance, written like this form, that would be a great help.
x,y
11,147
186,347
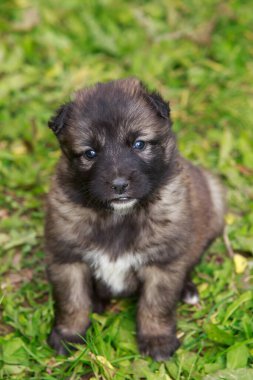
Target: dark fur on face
x,y
109,118
126,214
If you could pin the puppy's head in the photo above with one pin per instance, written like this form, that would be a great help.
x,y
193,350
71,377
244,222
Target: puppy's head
x,y
117,144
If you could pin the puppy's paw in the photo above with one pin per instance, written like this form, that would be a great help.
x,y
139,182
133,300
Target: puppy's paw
x,y
57,342
60,342
158,347
190,294
99,306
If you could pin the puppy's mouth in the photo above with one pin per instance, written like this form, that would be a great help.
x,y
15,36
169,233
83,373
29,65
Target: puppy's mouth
x,y
121,199
122,203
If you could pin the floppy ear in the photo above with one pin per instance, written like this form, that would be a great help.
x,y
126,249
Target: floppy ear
x,y
160,106
59,119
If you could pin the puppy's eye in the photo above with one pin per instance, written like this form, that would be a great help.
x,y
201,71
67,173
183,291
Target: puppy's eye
x,y
139,145
90,154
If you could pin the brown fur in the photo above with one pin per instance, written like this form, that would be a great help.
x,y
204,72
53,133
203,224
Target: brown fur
x,y
95,252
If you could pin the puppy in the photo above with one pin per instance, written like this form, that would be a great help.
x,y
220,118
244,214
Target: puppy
x,y
126,214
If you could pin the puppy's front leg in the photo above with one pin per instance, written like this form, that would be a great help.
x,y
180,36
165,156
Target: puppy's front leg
x,y
72,294
156,321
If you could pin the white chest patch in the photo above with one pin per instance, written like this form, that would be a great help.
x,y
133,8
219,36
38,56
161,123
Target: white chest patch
x,y
113,272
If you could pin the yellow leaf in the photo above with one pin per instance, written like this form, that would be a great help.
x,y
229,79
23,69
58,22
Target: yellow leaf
x,y
4,238
18,149
230,218
104,361
213,318
202,287
240,263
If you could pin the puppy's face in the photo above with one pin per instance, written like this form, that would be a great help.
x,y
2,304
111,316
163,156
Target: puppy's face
x,y
117,141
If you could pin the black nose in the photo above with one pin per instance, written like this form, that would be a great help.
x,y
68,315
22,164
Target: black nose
x,y
119,185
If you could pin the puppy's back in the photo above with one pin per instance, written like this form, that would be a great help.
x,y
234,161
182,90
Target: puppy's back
x,y
207,204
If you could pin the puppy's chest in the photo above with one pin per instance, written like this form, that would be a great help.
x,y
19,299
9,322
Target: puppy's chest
x,y
118,274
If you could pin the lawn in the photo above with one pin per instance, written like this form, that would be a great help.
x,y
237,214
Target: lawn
x,y
198,54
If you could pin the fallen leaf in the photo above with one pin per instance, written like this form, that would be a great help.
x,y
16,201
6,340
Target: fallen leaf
x,y
244,170
16,259
15,279
18,149
4,238
230,218
4,214
29,20
202,287
240,263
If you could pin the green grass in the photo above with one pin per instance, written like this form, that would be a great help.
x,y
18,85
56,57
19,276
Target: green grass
x,y
199,55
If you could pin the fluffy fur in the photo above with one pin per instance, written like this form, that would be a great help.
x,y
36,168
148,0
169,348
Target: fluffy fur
x,y
127,221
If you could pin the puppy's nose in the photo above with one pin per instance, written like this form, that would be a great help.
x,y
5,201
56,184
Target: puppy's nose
x,y
119,185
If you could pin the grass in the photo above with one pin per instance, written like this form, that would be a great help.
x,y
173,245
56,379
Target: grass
x,y
199,55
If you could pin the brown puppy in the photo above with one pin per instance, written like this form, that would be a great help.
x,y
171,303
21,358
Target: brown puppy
x,y
126,214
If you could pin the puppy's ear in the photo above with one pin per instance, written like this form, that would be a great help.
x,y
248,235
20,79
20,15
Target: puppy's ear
x,y
59,119
159,105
